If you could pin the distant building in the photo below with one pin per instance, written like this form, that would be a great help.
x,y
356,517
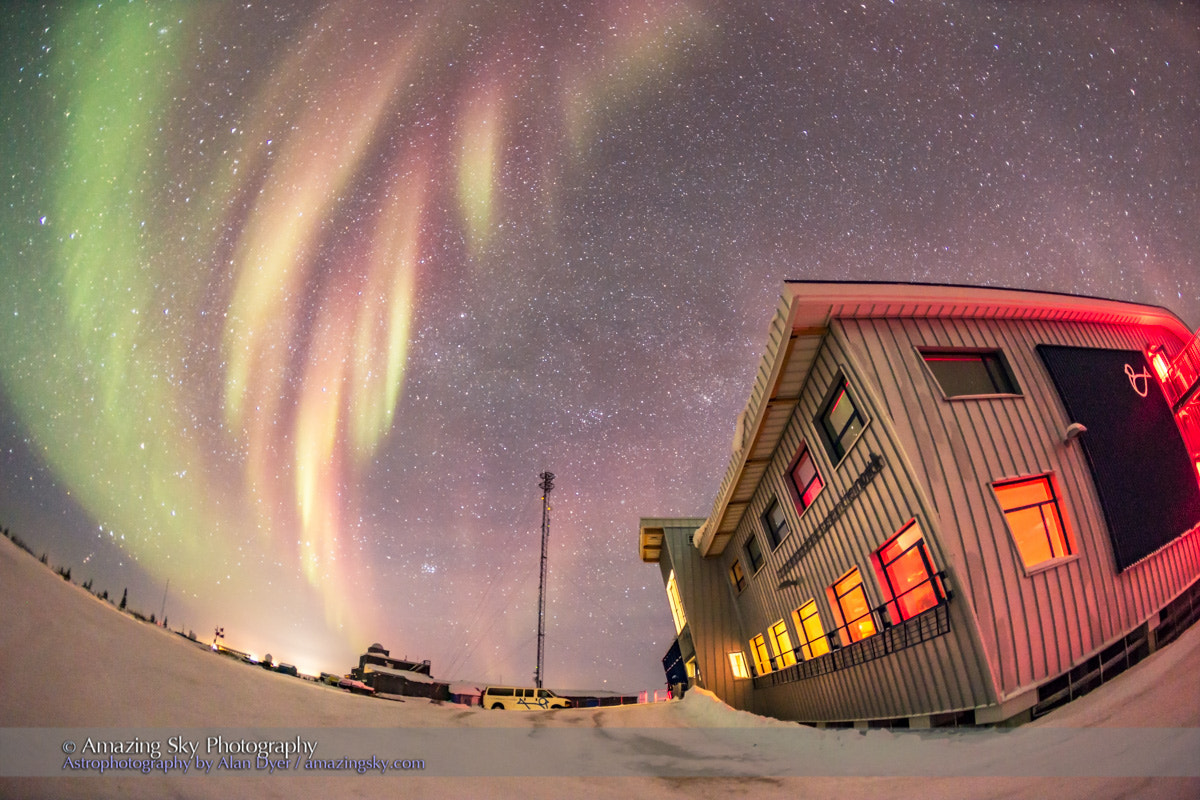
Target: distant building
x,y
377,655
944,505
386,675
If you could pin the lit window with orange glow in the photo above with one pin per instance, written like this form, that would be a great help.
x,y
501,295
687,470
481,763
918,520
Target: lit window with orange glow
x,y
762,661
738,662
1035,520
848,598
812,634
781,642
736,576
906,574
676,603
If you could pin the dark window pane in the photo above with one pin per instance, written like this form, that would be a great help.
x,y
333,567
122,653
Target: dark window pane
x,y
775,523
840,423
754,553
970,374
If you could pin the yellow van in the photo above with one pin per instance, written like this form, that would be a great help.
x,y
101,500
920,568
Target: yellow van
x,y
522,699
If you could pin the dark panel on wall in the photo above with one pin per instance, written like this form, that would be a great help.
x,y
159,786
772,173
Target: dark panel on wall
x,y
673,665
1143,474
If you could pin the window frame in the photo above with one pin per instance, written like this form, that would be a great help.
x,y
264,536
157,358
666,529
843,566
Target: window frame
x,y
781,643
762,658
846,635
752,541
892,600
794,489
737,662
737,576
1055,500
808,645
676,601
773,532
1002,367
837,449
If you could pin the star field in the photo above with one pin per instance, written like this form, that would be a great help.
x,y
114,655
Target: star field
x,y
301,298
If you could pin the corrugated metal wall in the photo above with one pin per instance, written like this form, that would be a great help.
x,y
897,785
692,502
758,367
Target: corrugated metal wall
x,y
709,609
1032,626
946,674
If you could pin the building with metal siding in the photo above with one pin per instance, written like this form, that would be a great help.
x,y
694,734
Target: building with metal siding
x,y
911,529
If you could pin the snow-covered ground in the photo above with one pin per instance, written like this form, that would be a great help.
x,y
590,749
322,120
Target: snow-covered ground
x,y
71,664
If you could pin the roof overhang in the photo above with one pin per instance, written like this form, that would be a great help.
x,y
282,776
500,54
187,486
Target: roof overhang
x,y
651,531
802,321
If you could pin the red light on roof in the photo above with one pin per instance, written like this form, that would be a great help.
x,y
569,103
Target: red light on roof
x,y
1159,362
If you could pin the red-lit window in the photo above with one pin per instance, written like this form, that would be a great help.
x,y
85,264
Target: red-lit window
x,y
806,481
848,599
1035,520
907,575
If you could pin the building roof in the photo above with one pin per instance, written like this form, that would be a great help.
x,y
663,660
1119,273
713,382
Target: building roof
x,y
799,327
415,677
650,533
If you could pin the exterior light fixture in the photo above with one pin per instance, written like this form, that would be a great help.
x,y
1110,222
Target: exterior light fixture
x,y
1158,360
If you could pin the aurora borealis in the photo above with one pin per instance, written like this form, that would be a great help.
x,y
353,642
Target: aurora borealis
x,y
301,298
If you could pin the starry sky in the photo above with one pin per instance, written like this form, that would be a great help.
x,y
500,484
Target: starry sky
x,y
300,299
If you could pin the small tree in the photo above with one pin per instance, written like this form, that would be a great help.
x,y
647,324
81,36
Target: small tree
x,y
124,597
104,595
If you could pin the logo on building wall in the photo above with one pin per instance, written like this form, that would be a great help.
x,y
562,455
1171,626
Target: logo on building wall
x,y
1140,381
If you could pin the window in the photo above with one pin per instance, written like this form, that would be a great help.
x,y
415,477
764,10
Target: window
x,y
736,576
738,662
907,574
1030,506
840,422
775,523
806,481
848,598
754,556
762,661
676,603
812,635
970,373
781,641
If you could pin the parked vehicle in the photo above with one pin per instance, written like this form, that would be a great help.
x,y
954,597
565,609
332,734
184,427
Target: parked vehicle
x,y
522,699
355,687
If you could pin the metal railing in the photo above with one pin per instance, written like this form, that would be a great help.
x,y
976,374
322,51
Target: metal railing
x,y
888,638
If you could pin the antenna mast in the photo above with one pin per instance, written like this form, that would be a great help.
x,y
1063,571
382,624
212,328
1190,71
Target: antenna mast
x,y
546,485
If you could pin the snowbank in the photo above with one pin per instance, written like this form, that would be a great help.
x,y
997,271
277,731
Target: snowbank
x,y
73,666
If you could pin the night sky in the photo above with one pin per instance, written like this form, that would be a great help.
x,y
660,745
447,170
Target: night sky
x,y
299,301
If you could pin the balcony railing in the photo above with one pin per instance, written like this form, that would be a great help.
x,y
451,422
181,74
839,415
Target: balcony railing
x,y
889,638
